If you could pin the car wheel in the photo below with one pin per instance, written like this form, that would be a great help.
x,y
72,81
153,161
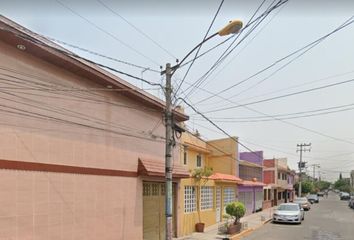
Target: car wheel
x,y
303,218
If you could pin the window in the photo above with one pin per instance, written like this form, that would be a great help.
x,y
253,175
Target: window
x,y
207,196
146,189
269,195
265,194
155,189
279,195
229,195
185,157
279,176
189,199
199,160
284,195
284,177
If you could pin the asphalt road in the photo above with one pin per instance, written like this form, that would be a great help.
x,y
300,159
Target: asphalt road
x,y
331,219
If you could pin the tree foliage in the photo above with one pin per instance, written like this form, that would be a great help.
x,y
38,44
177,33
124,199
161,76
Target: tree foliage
x,y
306,187
322,185
237,210
201,176
343,185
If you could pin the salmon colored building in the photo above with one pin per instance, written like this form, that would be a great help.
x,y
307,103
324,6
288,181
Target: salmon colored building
x,y
280,180
81,150
216,191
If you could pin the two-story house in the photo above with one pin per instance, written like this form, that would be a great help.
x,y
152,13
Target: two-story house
x,y
216,191
250,191
276,175
80,156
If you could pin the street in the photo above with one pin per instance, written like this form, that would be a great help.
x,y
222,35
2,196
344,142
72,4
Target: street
x,y
331,219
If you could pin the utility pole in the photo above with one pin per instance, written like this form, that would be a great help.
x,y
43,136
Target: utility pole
x,y
314,166
232,27
168,152
302,148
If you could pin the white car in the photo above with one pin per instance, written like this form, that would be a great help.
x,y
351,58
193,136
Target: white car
x,y
289,212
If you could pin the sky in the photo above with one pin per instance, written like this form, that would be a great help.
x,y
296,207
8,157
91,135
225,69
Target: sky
x,y
152,33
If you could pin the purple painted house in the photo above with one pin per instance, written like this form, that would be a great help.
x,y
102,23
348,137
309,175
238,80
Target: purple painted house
x,y
250,191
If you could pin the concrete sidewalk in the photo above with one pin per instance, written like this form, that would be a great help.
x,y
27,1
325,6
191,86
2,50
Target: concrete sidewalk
x,y
249,223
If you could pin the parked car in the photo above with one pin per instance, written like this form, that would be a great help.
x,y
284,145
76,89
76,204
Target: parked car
x,y
313,198
351,202
345,196
305,204
289,212
320,194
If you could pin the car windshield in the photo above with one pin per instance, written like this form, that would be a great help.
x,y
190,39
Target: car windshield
x,y
290,207
312,196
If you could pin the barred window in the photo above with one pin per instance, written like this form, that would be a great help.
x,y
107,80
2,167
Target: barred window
x,y
146,189
155,189
207,195
229,195
162,189
190,204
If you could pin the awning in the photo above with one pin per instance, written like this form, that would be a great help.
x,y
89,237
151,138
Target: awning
x,y
225,177
252,183
156,168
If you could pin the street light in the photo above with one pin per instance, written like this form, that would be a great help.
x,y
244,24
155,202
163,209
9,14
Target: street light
x,y
232,27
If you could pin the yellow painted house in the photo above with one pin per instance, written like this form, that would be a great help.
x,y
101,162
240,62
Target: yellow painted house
x,y
217,191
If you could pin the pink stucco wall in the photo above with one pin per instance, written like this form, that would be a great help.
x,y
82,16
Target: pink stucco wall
x,y
39,205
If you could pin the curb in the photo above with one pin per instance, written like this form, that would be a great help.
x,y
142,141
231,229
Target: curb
x,y
241,234
267,221
248,231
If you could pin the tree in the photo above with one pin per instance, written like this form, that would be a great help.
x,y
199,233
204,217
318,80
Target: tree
x,y
322,185
237,210
201,176
343,185
306,187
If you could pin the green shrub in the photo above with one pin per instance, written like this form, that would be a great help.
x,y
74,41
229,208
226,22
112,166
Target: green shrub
x,y
237,210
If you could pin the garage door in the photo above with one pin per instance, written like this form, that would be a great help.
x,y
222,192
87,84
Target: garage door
x,y
153,210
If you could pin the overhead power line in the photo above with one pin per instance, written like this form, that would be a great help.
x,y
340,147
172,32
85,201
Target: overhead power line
x,y
246,45
237,36
99,54
106,32
227,154
282,96
24,113
136,28
34,81
215,125
286,122
196,54
342,26
70,54
297,85
315,112
277,149
227,52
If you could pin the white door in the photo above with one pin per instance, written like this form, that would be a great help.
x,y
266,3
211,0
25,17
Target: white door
x,y
218,204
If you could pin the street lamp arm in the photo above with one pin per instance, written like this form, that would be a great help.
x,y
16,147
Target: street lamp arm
x,y
195,48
